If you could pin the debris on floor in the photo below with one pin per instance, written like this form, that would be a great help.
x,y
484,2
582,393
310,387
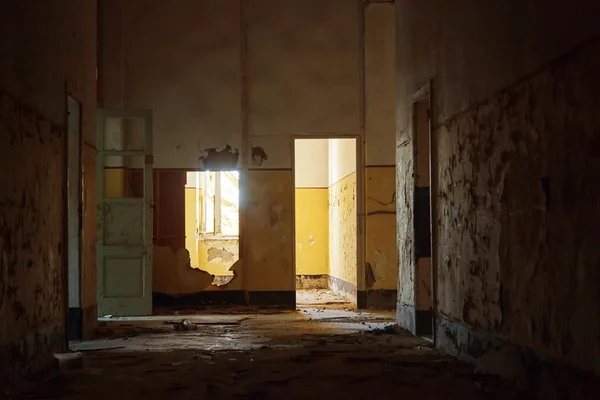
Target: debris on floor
x,y
388,330
323,353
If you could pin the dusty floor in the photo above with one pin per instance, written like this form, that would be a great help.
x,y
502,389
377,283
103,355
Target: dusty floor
x,y
320,297
317,353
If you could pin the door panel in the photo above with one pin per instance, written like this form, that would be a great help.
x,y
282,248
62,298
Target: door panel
x,y
124,247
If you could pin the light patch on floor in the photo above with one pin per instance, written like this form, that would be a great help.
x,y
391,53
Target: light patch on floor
x,y
319,297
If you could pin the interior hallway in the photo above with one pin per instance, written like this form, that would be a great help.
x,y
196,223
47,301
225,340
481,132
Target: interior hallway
x,y
321,353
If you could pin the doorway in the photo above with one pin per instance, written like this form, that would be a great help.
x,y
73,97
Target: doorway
x,y
74,222
423,206
325,231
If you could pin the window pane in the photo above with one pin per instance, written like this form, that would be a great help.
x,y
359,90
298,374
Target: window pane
x,y
208,196
230,198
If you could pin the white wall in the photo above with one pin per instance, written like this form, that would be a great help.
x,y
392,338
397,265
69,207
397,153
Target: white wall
x,y
312,163
342,159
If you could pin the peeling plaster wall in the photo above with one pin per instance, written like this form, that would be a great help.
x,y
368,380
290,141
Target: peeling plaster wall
x,y
249,78
343,217
517,217
342,226
32,267
268,229
34,72
173,274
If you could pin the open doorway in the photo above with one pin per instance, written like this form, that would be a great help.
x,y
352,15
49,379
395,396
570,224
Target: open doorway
x,y
326,235
74,223
423,206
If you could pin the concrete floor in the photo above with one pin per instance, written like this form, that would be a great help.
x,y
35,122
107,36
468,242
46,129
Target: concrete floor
x,y
327,352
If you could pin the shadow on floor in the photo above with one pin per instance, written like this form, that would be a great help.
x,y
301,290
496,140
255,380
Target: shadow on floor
x,y
308,354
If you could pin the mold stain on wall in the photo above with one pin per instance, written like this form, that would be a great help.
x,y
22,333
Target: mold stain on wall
x,y
517,212
32,203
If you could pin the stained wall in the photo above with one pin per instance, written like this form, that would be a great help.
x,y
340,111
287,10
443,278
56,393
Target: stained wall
x,y
515,131
34,75
241,78
381,258
343,232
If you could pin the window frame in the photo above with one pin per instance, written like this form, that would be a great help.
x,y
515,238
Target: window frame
x,y
217,208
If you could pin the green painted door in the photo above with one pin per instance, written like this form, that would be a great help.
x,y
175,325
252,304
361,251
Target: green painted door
x,y
124,243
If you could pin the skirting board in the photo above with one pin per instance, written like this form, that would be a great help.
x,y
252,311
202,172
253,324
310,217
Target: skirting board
x,y
200,299
224,298
548,378
312,281
343,288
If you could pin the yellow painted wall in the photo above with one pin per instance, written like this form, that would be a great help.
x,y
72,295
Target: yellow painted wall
x,y
343,231
380,238
312,231
267,242
172,273
114,182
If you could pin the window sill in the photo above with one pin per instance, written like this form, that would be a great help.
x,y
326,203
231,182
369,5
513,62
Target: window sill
x,y
218,237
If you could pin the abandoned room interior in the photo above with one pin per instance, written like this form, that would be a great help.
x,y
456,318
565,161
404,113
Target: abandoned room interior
x,y
267,198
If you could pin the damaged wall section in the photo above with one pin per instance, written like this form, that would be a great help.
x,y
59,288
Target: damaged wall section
x,y
526,267
32,244
517,138
35,72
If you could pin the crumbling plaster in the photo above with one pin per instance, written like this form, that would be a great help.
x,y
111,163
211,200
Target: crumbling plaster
x,y
32,244
47,48
516,216
251,75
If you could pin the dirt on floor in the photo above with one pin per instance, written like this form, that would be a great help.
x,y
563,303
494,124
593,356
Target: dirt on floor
x,y
312,353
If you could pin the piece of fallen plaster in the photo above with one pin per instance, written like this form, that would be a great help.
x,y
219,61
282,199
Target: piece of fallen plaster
x,y
69,361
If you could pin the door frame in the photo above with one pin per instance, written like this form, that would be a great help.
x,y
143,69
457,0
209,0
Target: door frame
x,y
424,93
360,206
72,279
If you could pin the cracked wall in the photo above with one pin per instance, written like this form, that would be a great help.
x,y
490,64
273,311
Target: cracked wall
x,y
516,138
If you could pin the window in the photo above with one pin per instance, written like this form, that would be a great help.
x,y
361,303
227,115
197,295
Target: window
x,y
217,202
